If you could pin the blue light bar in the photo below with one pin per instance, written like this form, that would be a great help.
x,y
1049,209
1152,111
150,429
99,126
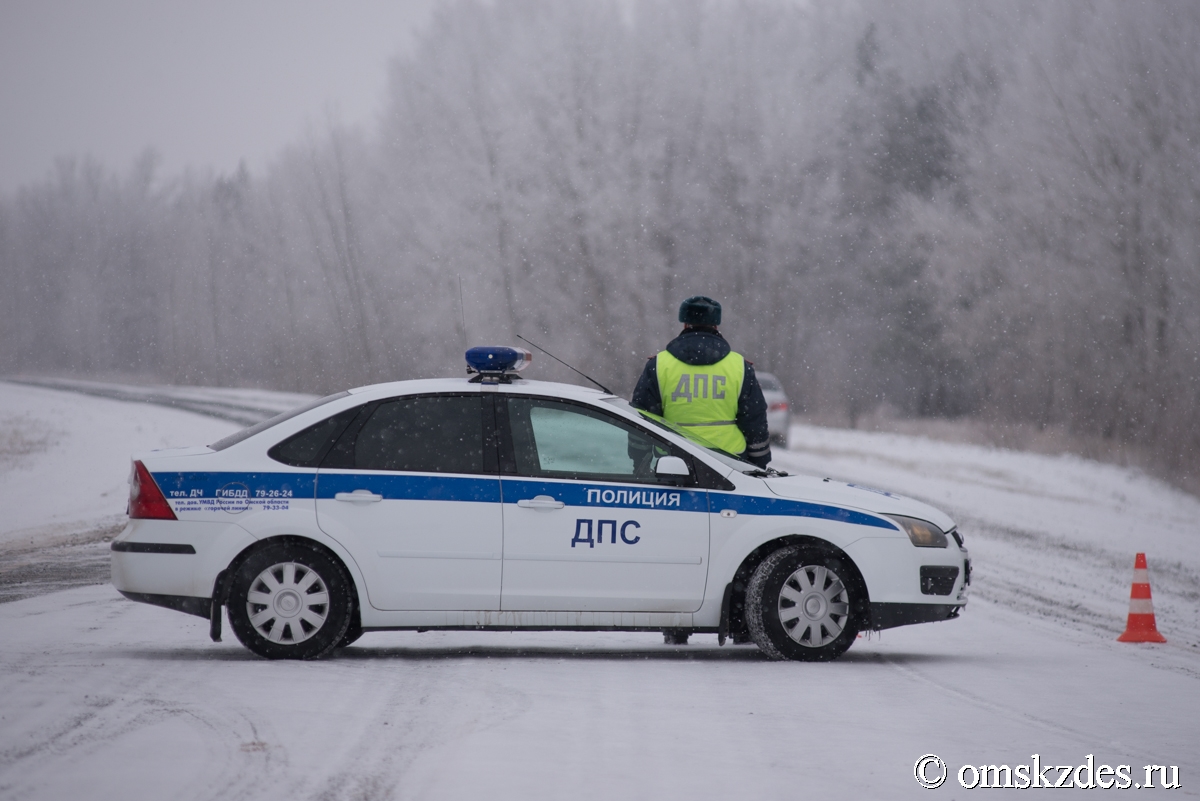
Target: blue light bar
x,y
497,359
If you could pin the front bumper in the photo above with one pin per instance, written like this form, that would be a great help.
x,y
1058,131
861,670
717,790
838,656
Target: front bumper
x,y
909,584
889,616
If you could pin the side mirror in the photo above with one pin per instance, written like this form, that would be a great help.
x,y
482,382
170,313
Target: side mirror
x,y
672,466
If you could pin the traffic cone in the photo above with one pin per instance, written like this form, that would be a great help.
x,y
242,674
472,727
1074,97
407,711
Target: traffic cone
x,y
1140,627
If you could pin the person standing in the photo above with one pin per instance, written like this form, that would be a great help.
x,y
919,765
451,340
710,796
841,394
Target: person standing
x,y
699,382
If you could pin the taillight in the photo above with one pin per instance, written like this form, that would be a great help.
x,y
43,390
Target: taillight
x,y
779,406
146,501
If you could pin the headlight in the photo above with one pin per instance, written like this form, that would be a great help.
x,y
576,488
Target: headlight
x,y
922,533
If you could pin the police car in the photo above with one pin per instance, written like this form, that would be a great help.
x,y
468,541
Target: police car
x,y
495,503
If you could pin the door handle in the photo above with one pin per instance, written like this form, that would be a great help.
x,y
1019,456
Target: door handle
x,y
358,496
540,502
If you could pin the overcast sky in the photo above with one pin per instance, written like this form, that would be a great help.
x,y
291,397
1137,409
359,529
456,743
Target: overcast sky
x,y
205,83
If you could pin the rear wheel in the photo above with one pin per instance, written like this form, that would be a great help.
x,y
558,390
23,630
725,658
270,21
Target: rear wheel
x,y
353,631
802,603
290,601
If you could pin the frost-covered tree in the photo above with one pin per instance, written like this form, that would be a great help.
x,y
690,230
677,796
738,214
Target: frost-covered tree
x,y
935,208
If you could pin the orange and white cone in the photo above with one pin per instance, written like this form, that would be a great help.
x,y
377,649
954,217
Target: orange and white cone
x,y
1140,627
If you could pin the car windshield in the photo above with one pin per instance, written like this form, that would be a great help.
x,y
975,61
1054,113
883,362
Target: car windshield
x,y
246,433
693,436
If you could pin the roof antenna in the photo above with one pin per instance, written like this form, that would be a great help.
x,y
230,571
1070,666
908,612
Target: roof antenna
x,y
462,312
560,361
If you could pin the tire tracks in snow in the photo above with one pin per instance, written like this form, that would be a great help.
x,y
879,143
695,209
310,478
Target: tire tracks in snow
x,y
64,556
1020,716
74,560
118,704
431,705
1083,586
212,402
1078,583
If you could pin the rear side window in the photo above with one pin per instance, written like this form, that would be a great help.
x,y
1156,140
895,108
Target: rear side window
x,y
246,433
307,448
429,434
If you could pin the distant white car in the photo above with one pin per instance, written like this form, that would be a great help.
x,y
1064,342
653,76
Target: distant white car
x,y
498,503
779,416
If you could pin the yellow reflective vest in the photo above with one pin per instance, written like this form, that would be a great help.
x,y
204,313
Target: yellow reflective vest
x,y
704,397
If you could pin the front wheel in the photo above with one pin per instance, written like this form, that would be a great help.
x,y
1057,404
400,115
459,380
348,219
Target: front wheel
x,y
290,601
802,604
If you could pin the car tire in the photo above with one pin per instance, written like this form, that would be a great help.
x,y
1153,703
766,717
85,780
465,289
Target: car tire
x,y
353,632
676,636
803,603
290,601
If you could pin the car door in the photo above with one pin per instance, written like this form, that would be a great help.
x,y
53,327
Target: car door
x,y
588,526
412,490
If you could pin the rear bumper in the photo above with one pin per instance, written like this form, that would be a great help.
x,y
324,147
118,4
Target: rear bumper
x,y
174,558
200,607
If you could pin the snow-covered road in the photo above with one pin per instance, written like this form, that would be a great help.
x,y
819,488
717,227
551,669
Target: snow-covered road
x,y
104,698
64,468
1050,536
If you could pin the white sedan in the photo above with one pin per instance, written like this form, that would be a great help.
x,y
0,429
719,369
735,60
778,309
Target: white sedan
x,y
496,503
779,418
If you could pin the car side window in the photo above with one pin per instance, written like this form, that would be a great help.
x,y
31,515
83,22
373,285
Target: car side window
x,y
425,434
306,448
562,440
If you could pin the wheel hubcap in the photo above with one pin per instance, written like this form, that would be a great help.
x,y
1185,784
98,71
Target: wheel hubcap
x,y
813,606
287,603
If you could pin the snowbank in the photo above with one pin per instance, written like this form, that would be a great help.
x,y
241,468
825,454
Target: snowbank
x,y
64,459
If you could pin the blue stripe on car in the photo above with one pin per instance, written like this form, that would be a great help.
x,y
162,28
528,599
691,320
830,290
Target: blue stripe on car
x,y
407,487
403,487
755,505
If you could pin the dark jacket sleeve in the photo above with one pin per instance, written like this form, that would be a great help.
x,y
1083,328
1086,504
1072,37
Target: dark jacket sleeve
x,y
646,395
752,420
